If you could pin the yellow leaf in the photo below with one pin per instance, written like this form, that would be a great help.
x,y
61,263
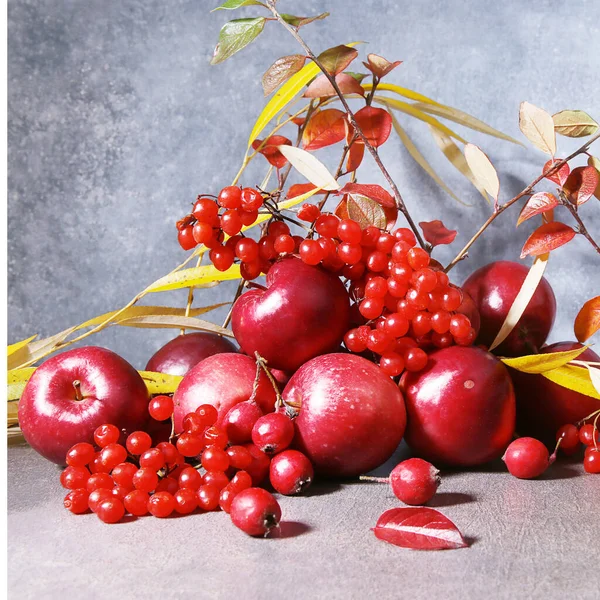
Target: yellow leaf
x,y
310,166
595,162
530,284
17,379
194,277
573,378
284,95
410,109
539,363
420,159
402,91
178,322
18,345
574,123
483,170
160,383
538,127
37,348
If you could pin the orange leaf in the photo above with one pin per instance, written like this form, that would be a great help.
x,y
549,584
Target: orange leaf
x,y
325,128
301,188
436,233
538,203
546,238
587,321
321,88
380,66
559,177
373,191
336,59
581,184
270,150
376,124
355,156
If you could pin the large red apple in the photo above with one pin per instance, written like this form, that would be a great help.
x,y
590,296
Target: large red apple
x,y
182,353
221,380
75,392
304,312
461,407
494,288
543,406
352,417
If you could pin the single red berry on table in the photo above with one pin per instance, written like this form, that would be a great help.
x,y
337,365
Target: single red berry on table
x,y
136,503
526,458
161,504
77,501
106,434
186,501
80,455
591,461
110,510
273,433
291,472
207,497
255,511
414,481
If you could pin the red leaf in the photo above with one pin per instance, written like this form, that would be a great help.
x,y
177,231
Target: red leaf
x,y
436,233
373,191
281,70
418,529
298,121
325,128
587,321
270,151
546,238
301,188
355,156
336,59
581,184
391,214
380,66
537,204
321,88
376,124
559,177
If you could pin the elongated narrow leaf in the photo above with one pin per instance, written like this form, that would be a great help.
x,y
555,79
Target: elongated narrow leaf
x,y
235,36
573,378
418,529
281,70
483,170
325,128
301,21
574,123
436,233
538,127
546,238
36,349
371,190
336,59
380,66
581,184
560,176
594,373
193,277
175,322
420,160
453,153
538,363
310,166
587,321
233,4
538,203
18,345
522,300
595,162
402,91
321,87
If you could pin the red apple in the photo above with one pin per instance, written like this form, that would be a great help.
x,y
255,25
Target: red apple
x,y
351,418
221,380
543,406
461,407
182,353
304,312
75,392
494,289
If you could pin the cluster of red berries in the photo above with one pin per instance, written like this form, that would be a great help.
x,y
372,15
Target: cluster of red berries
x,y
572,437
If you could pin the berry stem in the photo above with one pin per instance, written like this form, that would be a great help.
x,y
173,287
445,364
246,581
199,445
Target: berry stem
x,y
596,414
78,394
375,479
261,363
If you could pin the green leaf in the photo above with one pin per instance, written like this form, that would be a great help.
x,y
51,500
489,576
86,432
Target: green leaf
x,y
574,123
336,59
539,363
358,76
235,35
300,21
233,4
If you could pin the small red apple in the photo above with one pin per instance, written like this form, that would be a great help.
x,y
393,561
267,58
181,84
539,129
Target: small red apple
x,y
304,312
221,380
543,406
351,418
461,407
182,353
73,393
494,288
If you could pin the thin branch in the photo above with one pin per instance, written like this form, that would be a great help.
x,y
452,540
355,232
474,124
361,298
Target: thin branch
x,y
582,228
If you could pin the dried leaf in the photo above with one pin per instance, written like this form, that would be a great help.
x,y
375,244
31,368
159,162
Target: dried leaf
x,y
36,349
311,167
236,35
373,191
165,322
281,70
559,177
436,233
233,4
18,345
530,284
301,21
193,277
574,123
483,170
325,128
537,204
573,378
380,66
322,88
587,321
17,380
538,127
376,124
365,211
594,373
419,529
355,156
595,162
336,59
581,184
546,238
538,363
269,148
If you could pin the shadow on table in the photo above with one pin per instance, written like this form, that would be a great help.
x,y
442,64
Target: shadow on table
x,y
290,529
442,499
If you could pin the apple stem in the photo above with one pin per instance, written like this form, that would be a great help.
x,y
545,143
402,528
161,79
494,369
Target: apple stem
x,y
375,479
78,395
255,286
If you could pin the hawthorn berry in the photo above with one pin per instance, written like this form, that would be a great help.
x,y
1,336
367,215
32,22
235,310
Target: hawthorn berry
x,y
414,481
291,472
526,458
255,511
273,433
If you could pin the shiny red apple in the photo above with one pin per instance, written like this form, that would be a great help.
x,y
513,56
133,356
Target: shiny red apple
x,y
304,312
543,406
182,353
494,288
73,393
221,380
461,407
351,418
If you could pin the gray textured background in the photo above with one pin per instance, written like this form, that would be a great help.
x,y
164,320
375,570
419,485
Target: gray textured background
x,y
117,121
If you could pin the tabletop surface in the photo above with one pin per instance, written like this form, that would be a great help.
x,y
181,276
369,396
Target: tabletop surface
x,y
527,539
